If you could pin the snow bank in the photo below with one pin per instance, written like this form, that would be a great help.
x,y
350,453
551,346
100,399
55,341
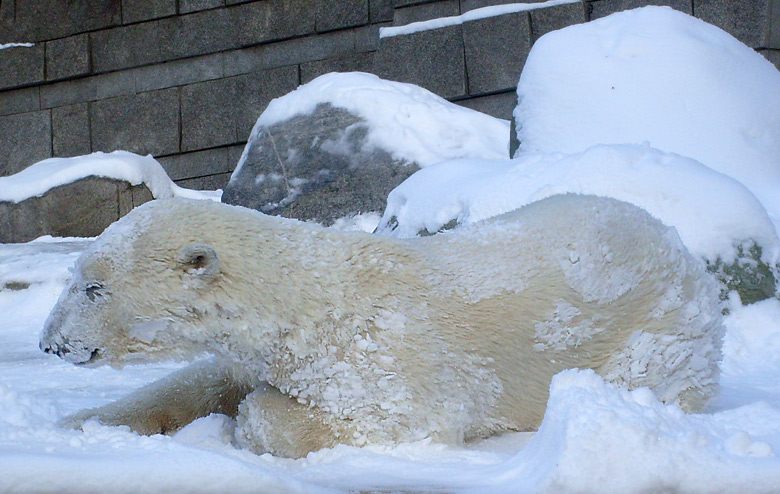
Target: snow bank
x,y
599,438
713,213
406,120
39,178
471,15
656,75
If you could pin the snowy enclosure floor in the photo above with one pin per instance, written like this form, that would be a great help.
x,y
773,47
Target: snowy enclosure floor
x,y
594,437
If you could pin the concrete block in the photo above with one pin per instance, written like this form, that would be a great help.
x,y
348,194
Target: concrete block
x,y
381,11
127,46
26,139
289,52
550,19
466,5
197,164
367,38
340,15
208,112
498,105
309,48
88,89
773,25
260,22
187,6
496,49
234,155
432,59
70,130
746,21
144,10
146,123
21,65
140,195
20,101
199,33
602,8
359,62
405,3
254,91
426,11
210,182
67,57
773,56
178,72
41,20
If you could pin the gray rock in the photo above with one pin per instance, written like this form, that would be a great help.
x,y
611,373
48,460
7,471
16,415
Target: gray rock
x,y
752,278
81,209
315,167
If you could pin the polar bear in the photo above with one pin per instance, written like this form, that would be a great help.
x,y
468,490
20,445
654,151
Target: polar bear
x,y
321,337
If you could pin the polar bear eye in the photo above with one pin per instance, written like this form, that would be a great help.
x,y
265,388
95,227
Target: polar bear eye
x,y
94,291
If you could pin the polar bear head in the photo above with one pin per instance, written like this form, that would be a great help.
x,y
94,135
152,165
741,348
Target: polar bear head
x,y
139,292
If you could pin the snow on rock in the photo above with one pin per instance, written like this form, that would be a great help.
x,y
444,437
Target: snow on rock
x,y
43,176
410,122
658,76
713,213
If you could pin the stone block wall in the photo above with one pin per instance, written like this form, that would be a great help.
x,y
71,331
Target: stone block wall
x,y
185,80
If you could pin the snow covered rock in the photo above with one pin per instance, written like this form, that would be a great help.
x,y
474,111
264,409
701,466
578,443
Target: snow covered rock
x,y
339,144
81,196
659,76
717,218
83,208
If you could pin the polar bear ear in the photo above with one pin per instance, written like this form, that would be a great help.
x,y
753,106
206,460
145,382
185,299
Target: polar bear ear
x,y
199,259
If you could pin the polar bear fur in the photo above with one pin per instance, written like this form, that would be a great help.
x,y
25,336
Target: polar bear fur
x,y
322,337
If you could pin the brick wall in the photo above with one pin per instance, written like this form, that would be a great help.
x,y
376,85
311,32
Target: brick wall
x,y
185,80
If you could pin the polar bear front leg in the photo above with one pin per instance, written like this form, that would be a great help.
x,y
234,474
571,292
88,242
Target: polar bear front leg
x,y
271,422
174,401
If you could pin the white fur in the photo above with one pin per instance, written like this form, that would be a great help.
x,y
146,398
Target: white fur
x,y
366,339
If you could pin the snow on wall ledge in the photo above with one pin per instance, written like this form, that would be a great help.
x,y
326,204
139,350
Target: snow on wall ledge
x,y
471,15
39,178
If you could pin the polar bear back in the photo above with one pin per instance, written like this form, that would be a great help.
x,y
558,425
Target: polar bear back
x,y
588,282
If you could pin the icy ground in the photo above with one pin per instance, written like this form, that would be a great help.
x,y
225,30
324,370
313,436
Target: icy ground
x,y
594,438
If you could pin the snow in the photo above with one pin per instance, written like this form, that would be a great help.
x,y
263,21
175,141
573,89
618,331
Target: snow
x,y
712,212
39,178
471,15
406,120
16,45
658,76
594,438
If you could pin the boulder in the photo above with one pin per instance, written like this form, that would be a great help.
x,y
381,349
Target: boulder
x,y
336,146
316,166
83,208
